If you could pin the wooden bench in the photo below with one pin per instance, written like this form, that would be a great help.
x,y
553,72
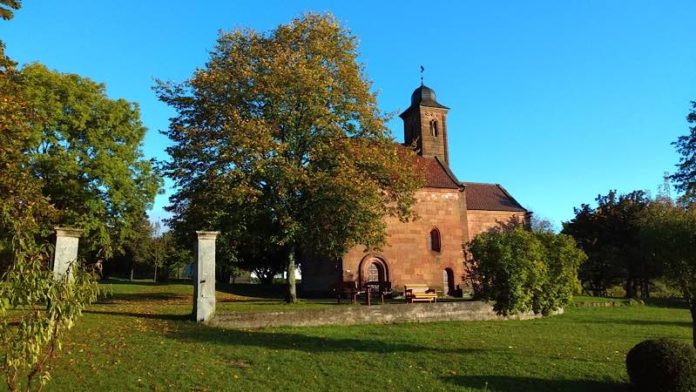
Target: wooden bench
x,y
348,290
380,289
419,293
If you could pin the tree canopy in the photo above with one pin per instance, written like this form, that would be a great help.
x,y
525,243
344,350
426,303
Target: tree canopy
x,y
7,8
685,176
86,151
24,210
609,235
285,123
668,231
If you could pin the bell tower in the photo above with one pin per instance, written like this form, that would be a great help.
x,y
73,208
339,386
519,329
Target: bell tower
x,y
425,124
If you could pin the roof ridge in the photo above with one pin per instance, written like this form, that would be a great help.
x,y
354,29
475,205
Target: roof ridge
x,y
510,196
448,171
479,183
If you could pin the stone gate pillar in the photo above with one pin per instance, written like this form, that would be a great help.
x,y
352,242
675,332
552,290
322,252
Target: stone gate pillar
x,y
204,276
67,242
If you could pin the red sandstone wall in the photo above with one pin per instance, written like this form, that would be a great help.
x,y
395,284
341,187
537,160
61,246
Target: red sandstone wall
x,y
480,221
408,255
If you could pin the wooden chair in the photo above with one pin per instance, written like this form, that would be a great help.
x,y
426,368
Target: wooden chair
x,y
376,289
349,290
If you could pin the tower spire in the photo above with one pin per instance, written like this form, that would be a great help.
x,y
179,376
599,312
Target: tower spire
x,y
425,123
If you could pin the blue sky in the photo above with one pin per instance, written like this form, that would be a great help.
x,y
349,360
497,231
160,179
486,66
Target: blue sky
x,y
555,100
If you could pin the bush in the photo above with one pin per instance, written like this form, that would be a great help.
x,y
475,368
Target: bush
x,y
662,365
523,271
36,311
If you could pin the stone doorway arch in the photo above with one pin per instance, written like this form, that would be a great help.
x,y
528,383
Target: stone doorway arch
x,y
373,269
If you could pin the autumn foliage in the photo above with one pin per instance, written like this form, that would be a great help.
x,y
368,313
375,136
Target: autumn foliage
x,y
279,137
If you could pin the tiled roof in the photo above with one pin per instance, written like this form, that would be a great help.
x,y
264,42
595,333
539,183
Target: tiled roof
x,y
437,174
487,197
490,197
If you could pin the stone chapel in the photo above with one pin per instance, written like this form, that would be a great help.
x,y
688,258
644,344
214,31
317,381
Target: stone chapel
x,y
428,250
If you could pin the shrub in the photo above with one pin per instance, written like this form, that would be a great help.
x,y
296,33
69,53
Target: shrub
x,y
524,271
511,269
662,365
562,258
36,311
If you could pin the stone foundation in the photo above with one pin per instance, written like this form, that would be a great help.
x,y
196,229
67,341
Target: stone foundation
x,y
377,314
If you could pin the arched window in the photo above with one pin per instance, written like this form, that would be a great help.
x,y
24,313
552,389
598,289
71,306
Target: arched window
x,y
434,128
435,243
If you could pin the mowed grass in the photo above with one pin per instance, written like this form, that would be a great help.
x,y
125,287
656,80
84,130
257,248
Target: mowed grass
x,y
140,339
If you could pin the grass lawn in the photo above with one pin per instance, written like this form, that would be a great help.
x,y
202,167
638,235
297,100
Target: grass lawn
x,y
141,339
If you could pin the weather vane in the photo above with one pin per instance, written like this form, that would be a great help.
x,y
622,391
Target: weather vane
x,y
422,70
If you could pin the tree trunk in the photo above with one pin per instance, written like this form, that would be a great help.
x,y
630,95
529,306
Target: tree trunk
x,y
154,278
630,287
291,297
132,272
692,307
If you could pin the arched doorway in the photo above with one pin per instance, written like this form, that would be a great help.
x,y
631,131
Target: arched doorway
x,y
373,270
448,281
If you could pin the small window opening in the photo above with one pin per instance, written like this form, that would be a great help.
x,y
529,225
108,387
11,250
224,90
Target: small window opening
x,y
434,128
435,243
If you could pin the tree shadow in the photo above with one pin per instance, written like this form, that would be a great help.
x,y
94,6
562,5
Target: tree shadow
x,y
155,316
678,303
515,384
138,282
268,291
666,323
297,341
278,301
142,297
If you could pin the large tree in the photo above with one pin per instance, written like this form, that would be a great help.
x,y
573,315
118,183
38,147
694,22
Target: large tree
x,y
609,235
36,309
285,123
24,210
685,176
669,232
86,152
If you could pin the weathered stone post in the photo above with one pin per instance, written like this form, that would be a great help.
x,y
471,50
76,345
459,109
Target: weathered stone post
x,y
67,242
204,276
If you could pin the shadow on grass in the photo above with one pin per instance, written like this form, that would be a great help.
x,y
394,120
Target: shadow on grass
x,y
155,316
271,291
276,302
511,383
141,282
143,297
240,289
636,322
297,341
678,303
